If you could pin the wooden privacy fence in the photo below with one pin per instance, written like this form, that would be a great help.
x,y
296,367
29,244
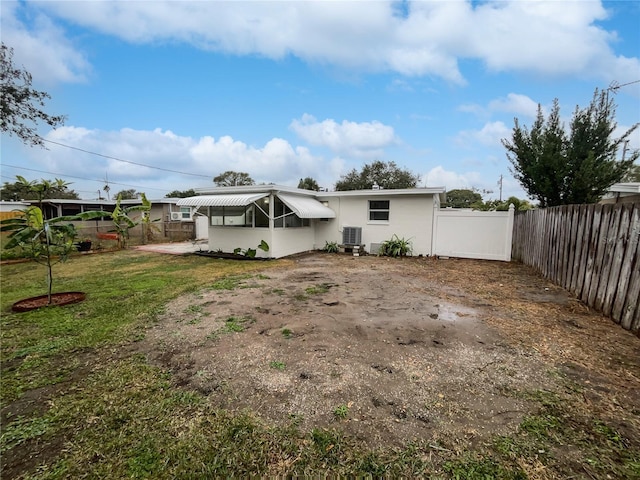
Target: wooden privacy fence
x,y
591,250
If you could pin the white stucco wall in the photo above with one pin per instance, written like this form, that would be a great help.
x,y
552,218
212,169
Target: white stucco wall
x,y
410,216
287,241
229,238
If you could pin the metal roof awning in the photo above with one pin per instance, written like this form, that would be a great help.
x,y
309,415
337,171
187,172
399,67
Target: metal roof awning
x,y
229,200
306,207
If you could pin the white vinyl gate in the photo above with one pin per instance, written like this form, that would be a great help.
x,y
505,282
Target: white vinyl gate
x,y
473,234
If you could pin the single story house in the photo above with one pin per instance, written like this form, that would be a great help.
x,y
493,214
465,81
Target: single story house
x,y
171,221
292,220
164,209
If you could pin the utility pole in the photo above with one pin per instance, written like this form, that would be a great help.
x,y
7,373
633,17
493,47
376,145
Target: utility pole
x,y
500,184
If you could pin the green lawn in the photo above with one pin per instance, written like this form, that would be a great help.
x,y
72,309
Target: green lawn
x,y
97,409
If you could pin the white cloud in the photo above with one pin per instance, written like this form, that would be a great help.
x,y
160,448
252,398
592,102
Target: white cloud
x,y
515,103
542,38
488,187
439,177
200,159
42,49
490,135
361,140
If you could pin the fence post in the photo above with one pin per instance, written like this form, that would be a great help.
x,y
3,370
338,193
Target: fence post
x,y
509,233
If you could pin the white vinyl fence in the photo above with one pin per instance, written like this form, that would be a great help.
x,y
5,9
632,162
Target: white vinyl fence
x,y
473,234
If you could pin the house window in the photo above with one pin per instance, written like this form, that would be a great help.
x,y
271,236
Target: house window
x,y
185,213
379,210
262,213
233,216
285,218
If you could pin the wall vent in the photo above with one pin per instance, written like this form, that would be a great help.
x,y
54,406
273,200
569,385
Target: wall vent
x,y
351,235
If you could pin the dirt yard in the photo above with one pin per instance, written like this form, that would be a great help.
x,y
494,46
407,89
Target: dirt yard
x,y
394,350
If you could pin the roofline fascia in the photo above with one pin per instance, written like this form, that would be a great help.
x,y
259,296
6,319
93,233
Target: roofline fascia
x,y
271,188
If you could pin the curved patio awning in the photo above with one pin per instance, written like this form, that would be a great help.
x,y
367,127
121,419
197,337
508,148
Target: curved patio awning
x,y
306,207
229,200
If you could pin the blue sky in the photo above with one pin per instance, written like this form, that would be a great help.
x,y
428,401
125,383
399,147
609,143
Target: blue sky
x,y
285,90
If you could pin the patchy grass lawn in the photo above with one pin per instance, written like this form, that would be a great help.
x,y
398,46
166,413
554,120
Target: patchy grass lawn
x,y
79,399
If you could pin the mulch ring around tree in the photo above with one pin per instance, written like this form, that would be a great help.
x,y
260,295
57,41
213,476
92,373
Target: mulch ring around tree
x,y
57,299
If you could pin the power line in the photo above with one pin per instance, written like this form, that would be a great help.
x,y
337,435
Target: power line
x,y
82,178
125,161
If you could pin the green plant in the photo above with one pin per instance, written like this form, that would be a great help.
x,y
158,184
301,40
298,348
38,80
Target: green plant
x,y
122,220
277,365
235,324
229,283
45,241
396,247
251,252
317,289
286,333
342,411
331,247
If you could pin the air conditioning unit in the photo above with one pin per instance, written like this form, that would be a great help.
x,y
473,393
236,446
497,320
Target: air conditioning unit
x,y
176,216
351,235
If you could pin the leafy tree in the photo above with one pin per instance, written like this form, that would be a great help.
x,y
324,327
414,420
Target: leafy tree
x,y
633,174
181,193
130,194
20,103
386,175
23,189
462,198
308,183
232,179
557,167
490,205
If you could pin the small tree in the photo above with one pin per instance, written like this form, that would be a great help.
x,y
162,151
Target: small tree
x,y
20,103
308,183
559,168
232,179
123,221
46,242
384,175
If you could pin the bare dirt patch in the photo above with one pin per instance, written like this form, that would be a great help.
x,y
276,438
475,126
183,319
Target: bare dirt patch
x,y
392,351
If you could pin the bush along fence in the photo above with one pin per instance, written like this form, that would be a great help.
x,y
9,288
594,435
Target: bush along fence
x,y
591,250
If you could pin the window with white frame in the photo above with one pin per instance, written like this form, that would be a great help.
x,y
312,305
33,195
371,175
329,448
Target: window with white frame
x,y
185,213
286,218
379,210
231,216
249,216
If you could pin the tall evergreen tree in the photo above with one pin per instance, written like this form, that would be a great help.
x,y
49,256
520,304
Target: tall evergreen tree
x,y
560,168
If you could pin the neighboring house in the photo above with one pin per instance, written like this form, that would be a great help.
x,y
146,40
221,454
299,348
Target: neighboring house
x,y
622,193
172,222
164,209
11,209
292,220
